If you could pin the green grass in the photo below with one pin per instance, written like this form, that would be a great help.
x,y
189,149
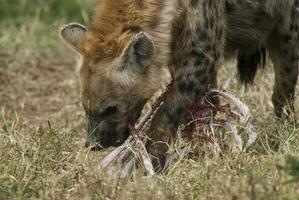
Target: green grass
x,y
16,11
42,154
28,29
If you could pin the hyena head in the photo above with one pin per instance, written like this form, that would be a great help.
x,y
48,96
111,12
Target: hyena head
x,y
117,77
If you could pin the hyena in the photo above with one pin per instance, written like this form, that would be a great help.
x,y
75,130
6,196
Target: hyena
x,y
131,40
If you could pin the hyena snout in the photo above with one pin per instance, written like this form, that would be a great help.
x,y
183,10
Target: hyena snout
x,y
101,135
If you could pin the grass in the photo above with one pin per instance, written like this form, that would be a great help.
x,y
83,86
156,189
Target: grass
x,y
17,10
42,126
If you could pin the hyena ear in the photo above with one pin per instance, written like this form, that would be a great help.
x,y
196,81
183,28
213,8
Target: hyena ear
x,y
138,54
73,34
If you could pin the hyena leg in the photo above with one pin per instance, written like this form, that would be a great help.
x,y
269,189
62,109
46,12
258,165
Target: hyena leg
x,y
197,48
213,98
283,49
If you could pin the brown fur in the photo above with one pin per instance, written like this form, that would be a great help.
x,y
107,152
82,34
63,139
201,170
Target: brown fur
x,y
132,40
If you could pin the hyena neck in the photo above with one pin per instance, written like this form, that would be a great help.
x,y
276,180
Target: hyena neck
x,y
162,36
161,33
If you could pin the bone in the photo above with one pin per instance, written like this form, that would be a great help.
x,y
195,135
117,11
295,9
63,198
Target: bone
x,y
128,168
239,104
111,157
237,146
142,152
134,149
252,136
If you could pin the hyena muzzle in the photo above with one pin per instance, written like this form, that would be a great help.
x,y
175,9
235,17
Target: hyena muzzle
x,y
131,40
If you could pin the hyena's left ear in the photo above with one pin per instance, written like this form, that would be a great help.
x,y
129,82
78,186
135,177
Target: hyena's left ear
x,y
73,34
138,53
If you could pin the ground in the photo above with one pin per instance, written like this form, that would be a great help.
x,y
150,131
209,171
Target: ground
x,y
42,154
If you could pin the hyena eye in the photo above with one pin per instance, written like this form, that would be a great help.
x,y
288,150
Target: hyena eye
x,y
110,110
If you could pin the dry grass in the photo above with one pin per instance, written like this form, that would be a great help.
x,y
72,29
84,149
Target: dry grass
x,y
42,134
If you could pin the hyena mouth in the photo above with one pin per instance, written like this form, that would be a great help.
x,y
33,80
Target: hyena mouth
x,y
112,133
110,139
124,136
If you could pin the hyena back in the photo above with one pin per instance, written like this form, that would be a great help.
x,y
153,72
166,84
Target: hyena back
x,y
131,40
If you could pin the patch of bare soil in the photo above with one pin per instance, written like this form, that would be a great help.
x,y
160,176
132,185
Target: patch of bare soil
x,y
41,88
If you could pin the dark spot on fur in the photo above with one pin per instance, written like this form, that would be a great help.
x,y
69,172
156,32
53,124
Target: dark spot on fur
x,y
186,87
204,35
211,22
216,54
219,33
294,58
212,69
287,38
204,80
182,86
199,61
194,3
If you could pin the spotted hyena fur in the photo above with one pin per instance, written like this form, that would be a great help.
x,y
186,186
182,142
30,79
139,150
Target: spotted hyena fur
x,y
197,49
130,41
255,27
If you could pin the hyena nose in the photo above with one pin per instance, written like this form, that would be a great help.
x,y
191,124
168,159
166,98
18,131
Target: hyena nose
x,y
87,143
